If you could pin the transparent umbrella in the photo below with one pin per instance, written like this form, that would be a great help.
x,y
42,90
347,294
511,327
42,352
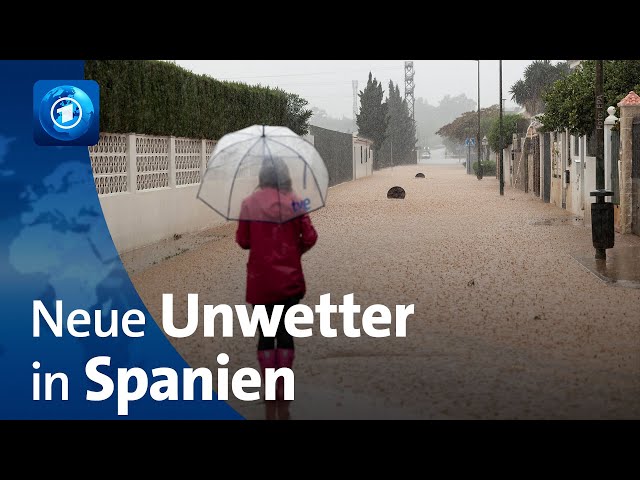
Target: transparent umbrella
x,y
264,173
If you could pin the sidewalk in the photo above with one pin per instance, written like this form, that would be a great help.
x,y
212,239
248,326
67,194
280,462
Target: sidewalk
x,y
507,323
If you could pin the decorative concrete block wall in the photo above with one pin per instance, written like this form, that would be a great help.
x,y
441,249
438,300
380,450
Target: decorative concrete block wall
x,y
147,186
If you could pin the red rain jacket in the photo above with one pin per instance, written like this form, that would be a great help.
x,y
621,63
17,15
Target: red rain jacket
x,y
274,270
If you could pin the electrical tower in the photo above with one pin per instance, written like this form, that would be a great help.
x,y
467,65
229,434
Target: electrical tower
x,y
355,104
409,87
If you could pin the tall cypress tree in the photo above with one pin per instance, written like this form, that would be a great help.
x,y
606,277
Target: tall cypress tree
x,y
401,130
372,119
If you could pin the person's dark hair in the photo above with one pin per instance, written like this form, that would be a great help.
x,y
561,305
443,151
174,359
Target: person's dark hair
x,y
274,173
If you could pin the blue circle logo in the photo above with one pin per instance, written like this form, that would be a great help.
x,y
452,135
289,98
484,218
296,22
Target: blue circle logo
x,y
66,112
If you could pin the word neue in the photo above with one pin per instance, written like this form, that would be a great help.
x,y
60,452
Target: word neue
x,y
160,384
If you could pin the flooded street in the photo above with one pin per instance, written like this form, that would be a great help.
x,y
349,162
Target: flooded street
x,y
439,156
507,323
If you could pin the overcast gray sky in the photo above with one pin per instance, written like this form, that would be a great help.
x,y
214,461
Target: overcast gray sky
x,y
326,84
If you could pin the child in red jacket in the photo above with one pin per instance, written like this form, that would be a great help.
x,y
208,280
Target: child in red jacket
x,y
274,270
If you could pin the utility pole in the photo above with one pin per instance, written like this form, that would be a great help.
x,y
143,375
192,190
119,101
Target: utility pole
x,y
501,141
599,126
409,88
479,173
469,158
354,84
602,230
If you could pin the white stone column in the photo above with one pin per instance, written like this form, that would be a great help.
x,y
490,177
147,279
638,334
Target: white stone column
x,y
609,122
203,157
132,169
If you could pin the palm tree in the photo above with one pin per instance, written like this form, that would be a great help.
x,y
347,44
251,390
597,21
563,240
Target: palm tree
x,y
521,94
538,75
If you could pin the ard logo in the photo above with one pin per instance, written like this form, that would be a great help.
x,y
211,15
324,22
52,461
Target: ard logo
x,y
66,112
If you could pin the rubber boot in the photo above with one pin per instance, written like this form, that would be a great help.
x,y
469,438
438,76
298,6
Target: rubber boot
x,y
284,359
267,359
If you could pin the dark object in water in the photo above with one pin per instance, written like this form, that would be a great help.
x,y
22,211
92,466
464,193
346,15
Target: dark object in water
x,y
396,192
419,175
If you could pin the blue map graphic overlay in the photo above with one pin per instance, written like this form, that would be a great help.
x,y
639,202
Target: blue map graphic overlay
x,y
55,245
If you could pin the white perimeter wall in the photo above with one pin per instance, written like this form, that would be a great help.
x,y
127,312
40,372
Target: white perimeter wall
x,y
143,218
147,187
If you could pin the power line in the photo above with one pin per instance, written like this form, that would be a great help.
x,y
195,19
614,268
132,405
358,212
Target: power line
x,y
308,73
328,96
310,84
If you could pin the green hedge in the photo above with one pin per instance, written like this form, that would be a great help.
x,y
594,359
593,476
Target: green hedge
x,y
160,98
488,167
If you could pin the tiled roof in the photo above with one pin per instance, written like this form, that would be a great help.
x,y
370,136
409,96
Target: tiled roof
x,y
631,99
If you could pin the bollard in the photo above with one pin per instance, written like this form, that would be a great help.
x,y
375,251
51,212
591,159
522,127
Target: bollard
x,y
602,230
396,192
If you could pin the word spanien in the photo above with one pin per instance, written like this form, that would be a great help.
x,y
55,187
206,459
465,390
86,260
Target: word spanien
x,y
133,384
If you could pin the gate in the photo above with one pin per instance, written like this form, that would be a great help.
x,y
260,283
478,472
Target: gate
x,y
547,168
536,165
635,178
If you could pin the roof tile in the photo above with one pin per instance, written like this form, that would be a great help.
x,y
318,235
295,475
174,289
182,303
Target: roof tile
x,y
631,99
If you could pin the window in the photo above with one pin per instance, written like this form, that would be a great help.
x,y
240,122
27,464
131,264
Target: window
x,y
360,153
576,145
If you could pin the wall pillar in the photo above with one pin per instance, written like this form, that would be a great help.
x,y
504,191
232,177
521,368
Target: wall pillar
x,y
132,168
629,109
203,157
172,162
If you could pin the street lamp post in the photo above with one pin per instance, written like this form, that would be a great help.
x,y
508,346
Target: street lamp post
x,y
468,145
501,144
479,172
